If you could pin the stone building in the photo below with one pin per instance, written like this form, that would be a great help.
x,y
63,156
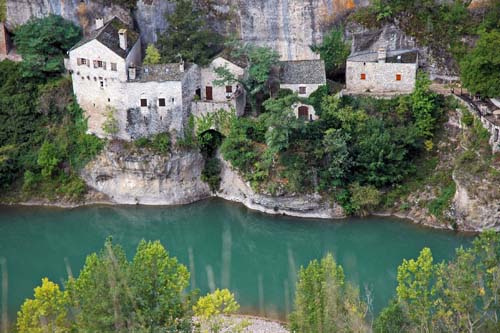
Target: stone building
x,y
107,75
382,72
212,97
303,77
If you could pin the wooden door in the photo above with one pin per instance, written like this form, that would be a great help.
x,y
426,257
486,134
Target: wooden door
x,y
304,112
208,93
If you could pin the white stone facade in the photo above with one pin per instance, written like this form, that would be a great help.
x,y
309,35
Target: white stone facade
x,y
303,90
380,77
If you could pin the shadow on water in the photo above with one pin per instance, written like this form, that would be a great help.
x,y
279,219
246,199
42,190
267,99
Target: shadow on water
x,y
224,245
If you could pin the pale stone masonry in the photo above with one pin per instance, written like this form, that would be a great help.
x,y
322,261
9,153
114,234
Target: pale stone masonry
x,y
382,72
303,77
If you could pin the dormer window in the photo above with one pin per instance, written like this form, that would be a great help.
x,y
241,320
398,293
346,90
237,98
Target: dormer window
x,y
302,90
144,102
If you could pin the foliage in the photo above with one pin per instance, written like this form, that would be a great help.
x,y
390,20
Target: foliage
x,y
48,158
159,143
364,198
260,61
325,302
110,125
443,201
213,310
209,141
188,36
43,42
334,49
47,312
467,118
423,106
3,10
153,56
188,140
457,296
113,294
211,173
479,68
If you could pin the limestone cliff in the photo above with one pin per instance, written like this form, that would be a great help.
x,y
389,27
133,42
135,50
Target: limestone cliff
x,y
129,176
289,26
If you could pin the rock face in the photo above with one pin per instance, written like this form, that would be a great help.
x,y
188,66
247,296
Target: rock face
x,y
234,188
289,26
144,178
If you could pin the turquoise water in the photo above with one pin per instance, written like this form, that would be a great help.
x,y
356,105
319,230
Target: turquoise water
x,y
223,244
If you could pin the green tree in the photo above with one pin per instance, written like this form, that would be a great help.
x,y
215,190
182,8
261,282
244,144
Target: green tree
x,y
47,312
392,319
423,106
260,61
158,284
364,198
153,56
334,49
416,290
101,292
325,302
48,158
188,36
43,43
479,69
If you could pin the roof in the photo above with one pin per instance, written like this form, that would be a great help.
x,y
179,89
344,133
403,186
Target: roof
x,y
302,72
399,56
160,72
108,36
227,55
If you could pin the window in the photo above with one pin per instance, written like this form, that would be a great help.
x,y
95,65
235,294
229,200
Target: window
x,y
302,90
144,102
161,102
363,76
99,64
172,100
101,82
398,77
113,66
229,89
82,61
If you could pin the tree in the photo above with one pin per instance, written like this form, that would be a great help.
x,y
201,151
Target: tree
x,y
416,290
479,69
158,284
423,106
188,36
213,311
48,158
334,50
43,42
47,312
325,302
260,61
153,56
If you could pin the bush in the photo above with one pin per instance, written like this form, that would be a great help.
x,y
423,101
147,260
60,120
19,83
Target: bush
x,y
211,173
364,198
161,142
467,118
443,201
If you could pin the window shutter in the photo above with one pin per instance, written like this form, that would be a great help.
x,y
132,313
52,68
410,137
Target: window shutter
x,y
78,61
95,63
88,62
104,64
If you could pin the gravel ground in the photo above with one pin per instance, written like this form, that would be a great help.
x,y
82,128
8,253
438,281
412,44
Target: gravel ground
x,y
261,325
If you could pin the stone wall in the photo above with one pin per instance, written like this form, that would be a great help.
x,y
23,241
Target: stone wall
x,y
4,40
380,77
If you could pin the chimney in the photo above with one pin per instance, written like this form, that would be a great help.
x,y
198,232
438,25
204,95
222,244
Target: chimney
x,y
382,55
99,23
122,34
181,66
131,72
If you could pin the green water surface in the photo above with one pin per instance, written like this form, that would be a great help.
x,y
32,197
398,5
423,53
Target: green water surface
x,y
223,245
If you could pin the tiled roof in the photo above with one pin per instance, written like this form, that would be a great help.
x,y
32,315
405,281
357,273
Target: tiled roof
x,y
161,72
399,56
108,36
302,72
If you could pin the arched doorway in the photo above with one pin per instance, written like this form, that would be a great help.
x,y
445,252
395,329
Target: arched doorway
x,y
304,112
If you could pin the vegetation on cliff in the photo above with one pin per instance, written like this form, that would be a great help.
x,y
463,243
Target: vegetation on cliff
x,y
43,140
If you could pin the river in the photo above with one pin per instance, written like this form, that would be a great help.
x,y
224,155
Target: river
x,y
223,244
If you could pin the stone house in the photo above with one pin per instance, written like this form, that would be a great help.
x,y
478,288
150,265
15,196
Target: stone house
x,y
106,73
382,72
212,97
303,77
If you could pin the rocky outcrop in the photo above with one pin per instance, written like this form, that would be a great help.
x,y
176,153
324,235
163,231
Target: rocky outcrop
x,y
141,177
234,188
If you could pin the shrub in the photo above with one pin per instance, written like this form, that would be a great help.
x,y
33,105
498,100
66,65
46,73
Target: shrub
x,y
467,118
161,142
211,173
442,202
364,198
